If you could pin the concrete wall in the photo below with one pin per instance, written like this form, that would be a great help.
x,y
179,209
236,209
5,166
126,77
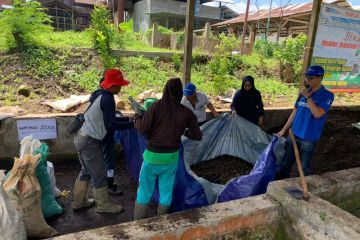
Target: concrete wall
x,y
140,17
163,56
63,148
281,213
255,218
142,9
171,6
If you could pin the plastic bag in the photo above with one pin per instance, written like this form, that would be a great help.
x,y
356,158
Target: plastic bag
x,y
24,193
11,223
49,205
50,170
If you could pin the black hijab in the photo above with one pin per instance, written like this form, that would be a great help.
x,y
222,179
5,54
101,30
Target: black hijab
x,y
248,104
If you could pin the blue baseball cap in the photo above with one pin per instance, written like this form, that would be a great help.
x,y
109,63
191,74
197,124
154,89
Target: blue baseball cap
x,y
315,71
189,89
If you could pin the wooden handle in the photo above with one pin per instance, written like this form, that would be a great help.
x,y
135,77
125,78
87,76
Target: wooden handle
x,y
299,166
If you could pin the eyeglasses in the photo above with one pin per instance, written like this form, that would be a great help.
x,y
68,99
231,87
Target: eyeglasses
x,y
311,78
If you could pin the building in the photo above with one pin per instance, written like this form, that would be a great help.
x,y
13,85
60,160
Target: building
x,y
285,21
172,13
66,14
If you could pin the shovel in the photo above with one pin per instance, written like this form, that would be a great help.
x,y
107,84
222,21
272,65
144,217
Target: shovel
x,y
306,194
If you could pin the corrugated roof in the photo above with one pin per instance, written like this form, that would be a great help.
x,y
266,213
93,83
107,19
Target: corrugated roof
x,y
290,10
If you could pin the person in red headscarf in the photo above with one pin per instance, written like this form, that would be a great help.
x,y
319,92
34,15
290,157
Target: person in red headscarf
x,y
99,126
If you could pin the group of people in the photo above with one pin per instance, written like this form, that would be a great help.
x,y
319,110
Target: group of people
x,y
180,111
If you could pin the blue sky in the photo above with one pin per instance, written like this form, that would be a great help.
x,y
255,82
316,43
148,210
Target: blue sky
x,y
240,5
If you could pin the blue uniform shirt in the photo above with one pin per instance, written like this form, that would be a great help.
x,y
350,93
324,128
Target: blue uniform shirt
x,y
305,125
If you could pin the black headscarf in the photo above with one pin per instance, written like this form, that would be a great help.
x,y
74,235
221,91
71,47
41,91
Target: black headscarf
x,y
248,104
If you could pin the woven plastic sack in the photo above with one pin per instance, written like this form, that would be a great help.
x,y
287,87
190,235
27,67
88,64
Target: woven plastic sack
x,y
24,193
11,223
50,170
49,205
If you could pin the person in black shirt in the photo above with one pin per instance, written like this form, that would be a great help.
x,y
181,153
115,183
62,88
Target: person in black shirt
x,y
247,102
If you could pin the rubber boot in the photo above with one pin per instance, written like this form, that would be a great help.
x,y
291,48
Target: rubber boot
x,y
140,211
103,203
80,200
113,188
162,209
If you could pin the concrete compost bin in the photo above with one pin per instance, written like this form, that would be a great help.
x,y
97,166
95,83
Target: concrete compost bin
x,y
278,214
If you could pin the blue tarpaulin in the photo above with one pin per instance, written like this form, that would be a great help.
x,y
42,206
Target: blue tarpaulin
x,y
226,135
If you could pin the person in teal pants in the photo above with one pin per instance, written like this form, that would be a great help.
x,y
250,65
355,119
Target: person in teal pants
x,y
163,124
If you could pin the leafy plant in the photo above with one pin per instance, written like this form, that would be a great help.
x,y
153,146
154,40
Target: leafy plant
x,y
291,52
176,59
224,63
23,23
227,44
104,33
265,48
88,79
42,61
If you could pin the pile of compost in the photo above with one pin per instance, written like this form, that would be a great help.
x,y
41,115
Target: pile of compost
x,y
221,169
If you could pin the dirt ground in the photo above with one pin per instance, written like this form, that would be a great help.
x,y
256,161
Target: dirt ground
x,y
221,169
75,221
338,149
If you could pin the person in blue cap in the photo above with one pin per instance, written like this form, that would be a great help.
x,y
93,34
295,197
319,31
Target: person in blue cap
x,y
307,120
197,102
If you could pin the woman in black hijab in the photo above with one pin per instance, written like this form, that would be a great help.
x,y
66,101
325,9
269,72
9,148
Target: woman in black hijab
x,y
247,102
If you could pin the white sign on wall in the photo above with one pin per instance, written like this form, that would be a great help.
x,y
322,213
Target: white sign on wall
x,y
38,128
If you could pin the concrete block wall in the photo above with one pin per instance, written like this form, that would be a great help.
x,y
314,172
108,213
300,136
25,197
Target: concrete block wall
x,y
278,214
250,218
62,148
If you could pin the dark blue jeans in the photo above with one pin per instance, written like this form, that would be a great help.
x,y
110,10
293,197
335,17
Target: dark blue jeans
x,y
108,149
306,150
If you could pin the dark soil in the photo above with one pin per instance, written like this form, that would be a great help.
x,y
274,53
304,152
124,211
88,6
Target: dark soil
x,y
339,146
221,169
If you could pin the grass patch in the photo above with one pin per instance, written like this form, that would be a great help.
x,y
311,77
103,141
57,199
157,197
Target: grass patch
x,y
352,205
66,39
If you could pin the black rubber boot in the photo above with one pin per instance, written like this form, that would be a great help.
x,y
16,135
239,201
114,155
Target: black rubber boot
x,y
113,188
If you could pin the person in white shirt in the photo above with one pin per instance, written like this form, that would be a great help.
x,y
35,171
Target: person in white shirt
x,y
197,102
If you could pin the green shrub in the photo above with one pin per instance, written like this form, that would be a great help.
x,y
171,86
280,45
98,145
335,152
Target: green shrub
x,y
104,33
291,51
227,44
23,23
176,59
265,48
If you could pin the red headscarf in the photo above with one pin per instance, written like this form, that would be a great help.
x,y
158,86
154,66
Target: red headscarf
x,y
113,77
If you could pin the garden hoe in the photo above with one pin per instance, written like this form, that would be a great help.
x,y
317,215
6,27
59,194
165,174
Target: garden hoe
x,y
295,192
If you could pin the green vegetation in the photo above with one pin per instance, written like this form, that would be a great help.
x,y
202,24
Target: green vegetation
x,y
281,234
21,24
104,33
65,63
352,205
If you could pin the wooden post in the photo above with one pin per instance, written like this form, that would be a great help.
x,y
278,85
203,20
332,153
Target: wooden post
x,y
120,10
314,19
252,37
244,28
189,27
